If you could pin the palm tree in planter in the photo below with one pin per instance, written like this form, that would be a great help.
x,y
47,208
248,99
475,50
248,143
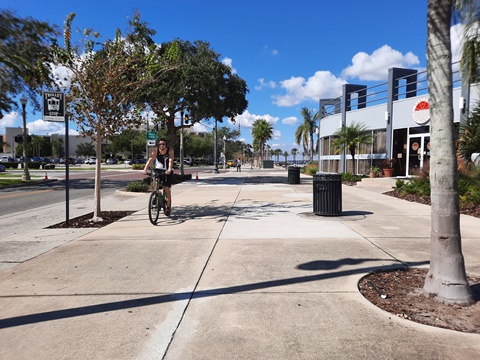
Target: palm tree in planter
x,y
350,137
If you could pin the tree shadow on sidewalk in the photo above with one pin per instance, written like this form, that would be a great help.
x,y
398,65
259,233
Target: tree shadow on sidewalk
x,y
166,298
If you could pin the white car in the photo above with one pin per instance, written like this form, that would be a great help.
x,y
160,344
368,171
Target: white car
x,y
90,161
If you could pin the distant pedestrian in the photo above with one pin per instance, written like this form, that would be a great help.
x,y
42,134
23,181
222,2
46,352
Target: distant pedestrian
x,y
239,165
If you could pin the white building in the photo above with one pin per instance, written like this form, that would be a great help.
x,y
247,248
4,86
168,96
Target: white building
x,y
397,113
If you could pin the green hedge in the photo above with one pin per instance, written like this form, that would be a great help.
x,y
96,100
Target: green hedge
x,y
10,165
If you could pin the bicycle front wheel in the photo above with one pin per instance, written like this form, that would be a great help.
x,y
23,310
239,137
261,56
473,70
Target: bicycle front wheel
x,y
154,207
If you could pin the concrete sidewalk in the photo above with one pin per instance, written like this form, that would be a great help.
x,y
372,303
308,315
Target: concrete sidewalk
x,y
241,270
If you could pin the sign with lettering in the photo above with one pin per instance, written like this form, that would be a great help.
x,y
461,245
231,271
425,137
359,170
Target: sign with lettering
x,y
53,106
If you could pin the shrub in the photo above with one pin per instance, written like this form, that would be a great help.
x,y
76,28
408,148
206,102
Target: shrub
x,y
347,176
417,186
138,166
138,186
10,165
34,165
310,169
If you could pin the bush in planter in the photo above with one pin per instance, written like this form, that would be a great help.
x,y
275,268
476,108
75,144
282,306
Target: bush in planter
x,y
138,186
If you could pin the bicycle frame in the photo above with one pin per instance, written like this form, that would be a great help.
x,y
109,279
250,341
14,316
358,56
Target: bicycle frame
x,y
157,198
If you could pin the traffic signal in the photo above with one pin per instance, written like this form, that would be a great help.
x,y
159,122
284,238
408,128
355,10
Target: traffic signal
x,y
186,119
18,139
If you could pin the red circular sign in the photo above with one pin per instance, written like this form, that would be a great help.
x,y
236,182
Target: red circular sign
x,y
415,146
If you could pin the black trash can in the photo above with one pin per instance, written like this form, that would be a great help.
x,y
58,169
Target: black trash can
x,y
327,194
293,175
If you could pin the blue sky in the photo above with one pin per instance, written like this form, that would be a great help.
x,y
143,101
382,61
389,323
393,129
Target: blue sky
x,y
291,53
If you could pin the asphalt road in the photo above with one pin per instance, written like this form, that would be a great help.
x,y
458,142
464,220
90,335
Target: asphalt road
x,y
81,185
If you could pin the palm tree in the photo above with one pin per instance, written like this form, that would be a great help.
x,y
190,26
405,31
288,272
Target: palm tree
x,y
446,280
350,137
277,153
304,132
469,137
262,131
294,153
286,156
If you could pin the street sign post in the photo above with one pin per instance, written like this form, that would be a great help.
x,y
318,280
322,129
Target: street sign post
x,y
151,138
54,110
53,106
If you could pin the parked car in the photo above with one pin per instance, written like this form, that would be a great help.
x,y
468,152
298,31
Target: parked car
x,y
7,159
139,161
2,168
111,161
91,160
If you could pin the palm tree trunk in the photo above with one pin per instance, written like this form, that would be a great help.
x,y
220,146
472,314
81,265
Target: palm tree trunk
x,y
446,279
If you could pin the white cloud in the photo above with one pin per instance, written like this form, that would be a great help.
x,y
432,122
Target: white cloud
x,y
227,61
277,134
246,119
8,120
291,120
275,52
323,84
374,67
40,127
456,37
265,84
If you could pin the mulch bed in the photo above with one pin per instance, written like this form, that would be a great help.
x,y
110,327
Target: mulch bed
x,y
85,221
400,292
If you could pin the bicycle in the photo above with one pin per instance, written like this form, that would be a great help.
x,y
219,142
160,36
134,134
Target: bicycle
x,y
157,200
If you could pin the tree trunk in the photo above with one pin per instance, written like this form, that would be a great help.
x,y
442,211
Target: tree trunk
x,y
98,164
446,279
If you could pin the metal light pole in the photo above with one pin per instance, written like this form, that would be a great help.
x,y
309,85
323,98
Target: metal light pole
x,y
224,152
26,174
181,144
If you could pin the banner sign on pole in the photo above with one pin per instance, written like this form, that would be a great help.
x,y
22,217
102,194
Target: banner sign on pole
x,y
53,106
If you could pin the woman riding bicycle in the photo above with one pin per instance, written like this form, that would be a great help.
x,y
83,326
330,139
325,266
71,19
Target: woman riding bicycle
x,y
164,160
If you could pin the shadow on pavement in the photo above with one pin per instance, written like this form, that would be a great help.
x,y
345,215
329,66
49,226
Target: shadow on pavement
x,y
165,298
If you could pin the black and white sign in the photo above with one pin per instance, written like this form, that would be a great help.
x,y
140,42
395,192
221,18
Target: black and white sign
x,y
53,106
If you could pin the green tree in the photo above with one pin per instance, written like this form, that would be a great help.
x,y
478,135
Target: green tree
x,y
25,48
294,153
446,280
262,131
469,136
58,150
277,153
40,146
105,79
285,154
85,149
304,133
200,85
130,143
350,138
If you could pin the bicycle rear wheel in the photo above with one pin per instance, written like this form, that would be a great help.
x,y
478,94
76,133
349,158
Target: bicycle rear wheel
x,y
154,207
